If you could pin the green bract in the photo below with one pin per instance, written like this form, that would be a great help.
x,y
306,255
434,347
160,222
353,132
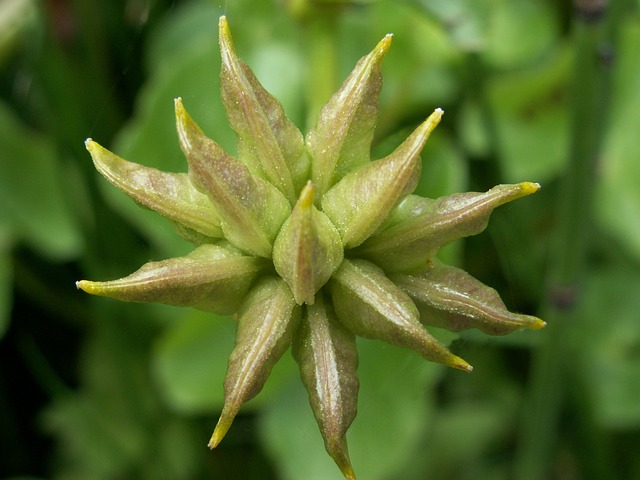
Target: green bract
x,y
309,242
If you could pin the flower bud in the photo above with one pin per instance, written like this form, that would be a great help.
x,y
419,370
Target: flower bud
x,y
307,250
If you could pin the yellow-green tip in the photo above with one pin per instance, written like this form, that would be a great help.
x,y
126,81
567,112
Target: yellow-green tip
x,y
529,187
223,26
431,122
306,195
89,287
460,364
383,45
95,149
179,107
538,324
221,429
348,472
224,34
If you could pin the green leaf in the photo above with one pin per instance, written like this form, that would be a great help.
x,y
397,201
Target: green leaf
x,y
532,123
32,190
617,194
466,21
610,345
190,361
115,426
183,62
190,364
394,403
6,277
520,32
17,20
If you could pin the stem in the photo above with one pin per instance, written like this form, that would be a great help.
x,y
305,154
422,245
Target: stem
x,y
552,369
322,76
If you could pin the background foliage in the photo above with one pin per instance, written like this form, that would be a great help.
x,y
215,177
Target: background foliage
x,y
533,91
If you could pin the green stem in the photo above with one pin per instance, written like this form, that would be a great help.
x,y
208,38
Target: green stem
x,y
552,367
322,76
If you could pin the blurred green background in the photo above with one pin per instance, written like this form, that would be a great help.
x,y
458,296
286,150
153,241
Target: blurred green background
x,y
533,90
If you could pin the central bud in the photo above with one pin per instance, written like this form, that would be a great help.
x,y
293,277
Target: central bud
x,y
308,248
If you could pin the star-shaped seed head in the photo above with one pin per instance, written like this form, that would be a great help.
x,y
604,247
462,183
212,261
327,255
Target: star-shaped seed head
x,y
308,242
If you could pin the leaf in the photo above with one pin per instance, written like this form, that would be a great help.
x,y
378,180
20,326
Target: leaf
x,y
609,341
617,200
190,361
520,32
6,277
190,364
268,143
466,21
183,61
32,191
372,306
342,137
532,121
360,202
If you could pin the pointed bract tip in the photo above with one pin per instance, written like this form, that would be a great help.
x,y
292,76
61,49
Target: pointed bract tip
x,y
348,472
224,423
460,364
538,324
383,45
215,439
436,116
431,122
224,33
528,187
86,286
90,145
181,113
306,195
177,102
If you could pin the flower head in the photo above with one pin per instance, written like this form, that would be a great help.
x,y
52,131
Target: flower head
x,y
308,242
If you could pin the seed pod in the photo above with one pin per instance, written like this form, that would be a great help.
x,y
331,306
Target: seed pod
x,y
308,242
265,327
450,298
328,359
307,250
210,278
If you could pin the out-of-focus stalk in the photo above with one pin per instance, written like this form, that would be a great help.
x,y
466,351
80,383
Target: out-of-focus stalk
x,y
552,369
